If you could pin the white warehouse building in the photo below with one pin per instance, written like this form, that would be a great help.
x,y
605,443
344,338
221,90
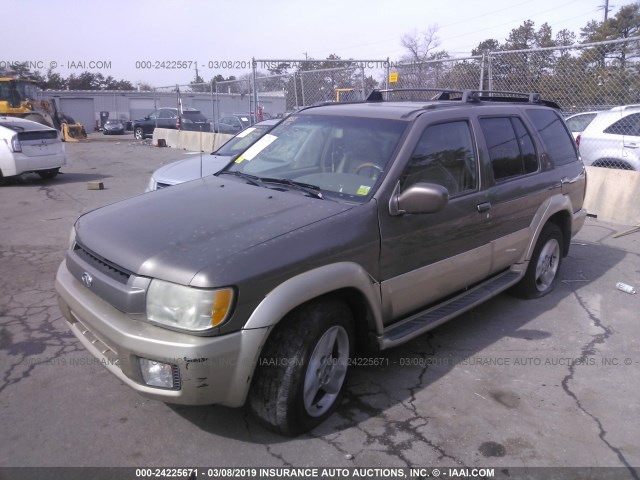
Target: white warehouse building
x,y
91,107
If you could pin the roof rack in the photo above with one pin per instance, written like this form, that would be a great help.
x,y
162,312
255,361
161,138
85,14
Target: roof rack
x,y
376,95
468,96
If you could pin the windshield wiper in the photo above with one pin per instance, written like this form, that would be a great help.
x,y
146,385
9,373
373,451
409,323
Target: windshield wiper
x,y
312,190
252,179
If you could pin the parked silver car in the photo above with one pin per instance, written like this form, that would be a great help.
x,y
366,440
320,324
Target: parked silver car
x,y
612,139
197,167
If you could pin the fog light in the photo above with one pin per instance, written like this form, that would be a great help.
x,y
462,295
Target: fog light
x,y
158,374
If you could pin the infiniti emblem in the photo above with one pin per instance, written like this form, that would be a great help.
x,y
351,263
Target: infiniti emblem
x,y
87,279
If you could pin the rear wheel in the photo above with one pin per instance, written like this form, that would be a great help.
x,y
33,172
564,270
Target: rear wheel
x,y
544,265
299,380
49,174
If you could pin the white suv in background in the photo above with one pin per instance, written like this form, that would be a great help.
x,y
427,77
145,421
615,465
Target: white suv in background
x,y
612,139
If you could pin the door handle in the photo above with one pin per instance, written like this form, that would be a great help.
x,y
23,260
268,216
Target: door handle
x,y
483,207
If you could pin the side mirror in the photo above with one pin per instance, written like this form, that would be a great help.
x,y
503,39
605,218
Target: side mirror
x,y
418,198
147,117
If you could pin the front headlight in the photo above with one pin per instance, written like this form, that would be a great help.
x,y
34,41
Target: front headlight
x,y
193,309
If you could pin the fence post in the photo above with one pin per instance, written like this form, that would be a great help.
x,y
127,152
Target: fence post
x,y
490,58
481,73
254,65
304,104
213,111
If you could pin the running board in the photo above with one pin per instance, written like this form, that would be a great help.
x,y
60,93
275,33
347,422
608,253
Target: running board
x,y
415,325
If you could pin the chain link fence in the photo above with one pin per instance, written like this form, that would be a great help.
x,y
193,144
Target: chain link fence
x,y
453,73
599,77
317,81
582,79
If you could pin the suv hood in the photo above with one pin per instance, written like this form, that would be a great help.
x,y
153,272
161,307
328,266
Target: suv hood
x,y
175,232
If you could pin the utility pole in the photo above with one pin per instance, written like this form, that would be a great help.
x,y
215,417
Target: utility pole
x,y
606,9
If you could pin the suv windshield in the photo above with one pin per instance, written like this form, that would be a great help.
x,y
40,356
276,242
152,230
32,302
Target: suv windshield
x,y
242,140
342,156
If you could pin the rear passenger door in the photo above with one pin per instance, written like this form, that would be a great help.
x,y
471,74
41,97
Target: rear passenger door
x,y
425,257
628,128
167,119
518,188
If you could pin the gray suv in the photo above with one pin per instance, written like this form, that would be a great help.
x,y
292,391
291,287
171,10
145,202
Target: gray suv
x,y
349,226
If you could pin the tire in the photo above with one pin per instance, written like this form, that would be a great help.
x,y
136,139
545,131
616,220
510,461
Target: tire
x,y
544,265
138,134
300,377
48,174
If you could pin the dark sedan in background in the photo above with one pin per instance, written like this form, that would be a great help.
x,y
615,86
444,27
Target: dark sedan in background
x,y
190,119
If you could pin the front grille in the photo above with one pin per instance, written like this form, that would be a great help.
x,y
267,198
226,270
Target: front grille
x,y
112,271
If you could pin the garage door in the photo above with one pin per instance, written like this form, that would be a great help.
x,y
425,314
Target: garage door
x,y
81,109
141,107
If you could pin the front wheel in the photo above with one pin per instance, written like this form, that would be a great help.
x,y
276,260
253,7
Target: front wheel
x,y
544,265
299,380
138,134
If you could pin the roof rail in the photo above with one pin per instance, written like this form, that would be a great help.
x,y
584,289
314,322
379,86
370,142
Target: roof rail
x,y
469,96
376,95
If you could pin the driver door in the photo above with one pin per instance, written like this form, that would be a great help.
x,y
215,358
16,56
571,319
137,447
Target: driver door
x,y
425,257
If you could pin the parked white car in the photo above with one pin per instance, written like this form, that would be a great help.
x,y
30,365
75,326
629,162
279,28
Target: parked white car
x,y
27,146
612,139
197,166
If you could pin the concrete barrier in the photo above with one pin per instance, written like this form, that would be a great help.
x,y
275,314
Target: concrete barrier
x,y
613,195
192,141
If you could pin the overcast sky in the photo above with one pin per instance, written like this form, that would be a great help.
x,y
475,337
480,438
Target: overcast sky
x,y
113,36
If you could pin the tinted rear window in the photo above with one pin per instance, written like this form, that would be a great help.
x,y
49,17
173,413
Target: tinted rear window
x,y
195,116
38,135
559,142
626,126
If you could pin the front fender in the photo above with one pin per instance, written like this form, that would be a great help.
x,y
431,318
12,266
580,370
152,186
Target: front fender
x,y
312,284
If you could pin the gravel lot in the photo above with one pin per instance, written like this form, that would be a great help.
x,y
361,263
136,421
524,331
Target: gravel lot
x,y
513,383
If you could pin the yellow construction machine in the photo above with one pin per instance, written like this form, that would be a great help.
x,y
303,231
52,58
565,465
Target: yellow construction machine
x,y
19,98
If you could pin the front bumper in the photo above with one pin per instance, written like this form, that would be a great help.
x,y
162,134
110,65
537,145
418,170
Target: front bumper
x,y
213,370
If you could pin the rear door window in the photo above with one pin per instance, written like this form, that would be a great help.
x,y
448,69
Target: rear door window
x,y
629,125
510,146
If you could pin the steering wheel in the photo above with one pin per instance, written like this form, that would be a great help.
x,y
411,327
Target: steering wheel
x,y
364,165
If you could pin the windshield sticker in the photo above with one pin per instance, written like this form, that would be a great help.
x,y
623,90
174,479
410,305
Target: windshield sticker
x,y
257,147
244,119
363,190
245,132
